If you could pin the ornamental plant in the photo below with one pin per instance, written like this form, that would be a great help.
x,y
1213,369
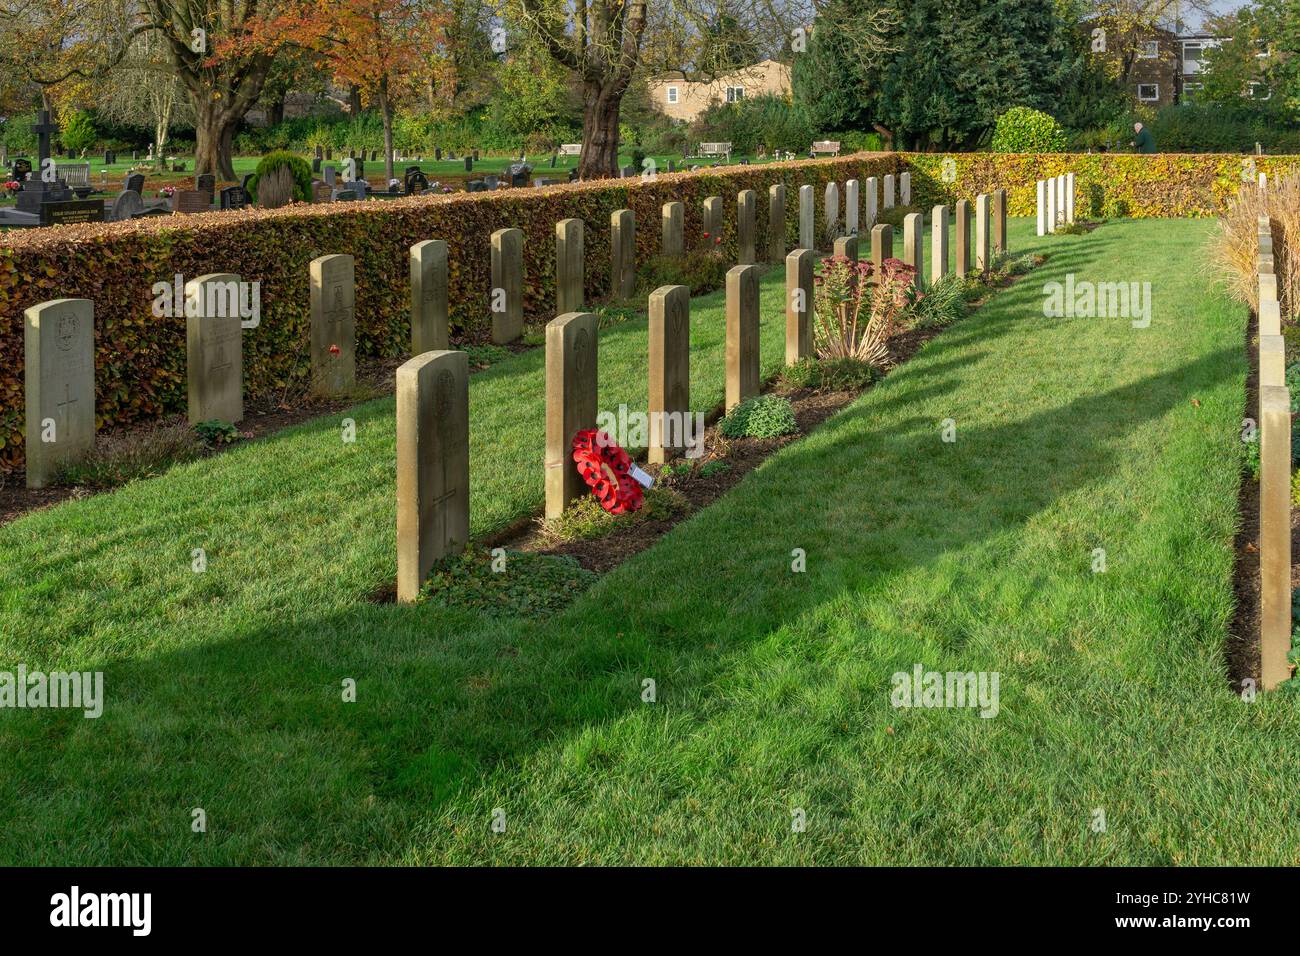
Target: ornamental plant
x,y
764,417
854,317
1024,130
298,168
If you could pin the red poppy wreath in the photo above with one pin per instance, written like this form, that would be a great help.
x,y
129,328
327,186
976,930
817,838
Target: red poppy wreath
x,y
606,469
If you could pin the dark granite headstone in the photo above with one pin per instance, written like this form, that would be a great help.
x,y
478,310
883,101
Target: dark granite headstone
x,y
476,155
416,181
315,164
519,173
476,186
437,154
469,164
345,195
320,152
207,183
134,183
66,213
233,197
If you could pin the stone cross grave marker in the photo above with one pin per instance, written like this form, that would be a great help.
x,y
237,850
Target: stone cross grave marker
x,y
673,241
429,317
507,294
670,371
961,226
59,385
742,335
432,465
807,219
882,248
622,253
747,227
938,243
214,349
569,265
913,244
333,325
571,367
798,305
776,223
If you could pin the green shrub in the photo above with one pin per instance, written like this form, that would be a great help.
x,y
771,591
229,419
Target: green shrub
x,y
700,269
943,303
216,432
585,519
764,417
1024,130
835,375
138,453
531,585
768,121
79,132
296,165
1222,128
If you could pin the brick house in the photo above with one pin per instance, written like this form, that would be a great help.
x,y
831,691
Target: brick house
x,y
684,99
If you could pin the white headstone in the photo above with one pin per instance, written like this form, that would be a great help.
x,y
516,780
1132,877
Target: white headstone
x,y
59,385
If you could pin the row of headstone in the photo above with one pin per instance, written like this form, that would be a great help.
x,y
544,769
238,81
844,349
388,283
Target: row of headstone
x,y
1055,202
1274,471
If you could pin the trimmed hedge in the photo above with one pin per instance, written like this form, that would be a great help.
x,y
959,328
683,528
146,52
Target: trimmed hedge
x,y
140,360
1110,185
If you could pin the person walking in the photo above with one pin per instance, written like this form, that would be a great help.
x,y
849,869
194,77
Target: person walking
x,y
1143,141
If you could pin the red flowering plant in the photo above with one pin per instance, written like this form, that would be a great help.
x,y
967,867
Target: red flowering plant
x,y
12,186
856,312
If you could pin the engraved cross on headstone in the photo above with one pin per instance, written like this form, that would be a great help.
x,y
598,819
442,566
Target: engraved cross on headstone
x,y
67,398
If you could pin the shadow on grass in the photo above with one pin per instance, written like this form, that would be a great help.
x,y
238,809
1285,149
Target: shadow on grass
x,y
447,699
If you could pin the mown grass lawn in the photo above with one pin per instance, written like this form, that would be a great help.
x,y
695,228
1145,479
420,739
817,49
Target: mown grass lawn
x,y
224,688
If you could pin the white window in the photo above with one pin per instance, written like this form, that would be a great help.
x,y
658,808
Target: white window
x,y
1148,49
1263,51
1190,89
735,94
672,94
1149,92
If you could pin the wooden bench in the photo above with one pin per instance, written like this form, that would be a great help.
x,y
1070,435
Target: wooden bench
x,y
825,147
714,149
569,149
76,175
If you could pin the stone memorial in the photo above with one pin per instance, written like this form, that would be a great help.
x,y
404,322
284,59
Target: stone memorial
x,y
622,254
746,227
214,353
670,371
776,223
71,212
711,218
432,465
872,192
983,248
126,206
847,246
507,305
807,220
831,211
58,386
1040,190
742,335
882,248
961,225
673,242
999,214
852,204
1276,620
798,305
905,189
571,365
429,318
913,244
232,197
888,202
333,326
938,243
570,262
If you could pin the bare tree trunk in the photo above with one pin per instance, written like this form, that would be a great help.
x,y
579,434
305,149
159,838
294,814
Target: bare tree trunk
x,y
386,111
214,134
600,131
